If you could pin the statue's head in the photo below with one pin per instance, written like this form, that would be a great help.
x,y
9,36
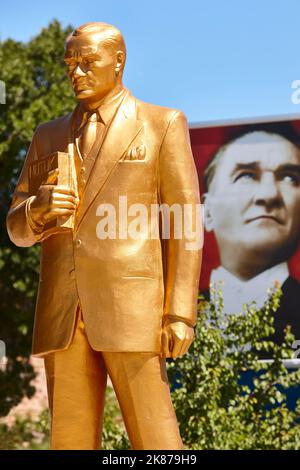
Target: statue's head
x,y
95,55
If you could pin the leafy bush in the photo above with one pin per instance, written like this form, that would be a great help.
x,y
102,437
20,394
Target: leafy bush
x,y
215,407
26,434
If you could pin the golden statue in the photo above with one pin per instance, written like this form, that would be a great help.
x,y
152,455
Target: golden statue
x,y
111,305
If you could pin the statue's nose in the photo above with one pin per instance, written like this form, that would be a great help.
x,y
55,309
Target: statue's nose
x,y
78,72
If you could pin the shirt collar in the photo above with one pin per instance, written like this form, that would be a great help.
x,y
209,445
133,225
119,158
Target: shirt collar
x,y
237,292
105,110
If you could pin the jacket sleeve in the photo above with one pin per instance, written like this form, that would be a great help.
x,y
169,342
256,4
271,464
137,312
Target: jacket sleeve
x,y
20,228
182,250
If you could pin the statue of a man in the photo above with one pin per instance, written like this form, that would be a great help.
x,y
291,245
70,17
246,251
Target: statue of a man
x,y
115,305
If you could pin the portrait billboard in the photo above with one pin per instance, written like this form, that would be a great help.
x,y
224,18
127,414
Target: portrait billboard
x,y
249,176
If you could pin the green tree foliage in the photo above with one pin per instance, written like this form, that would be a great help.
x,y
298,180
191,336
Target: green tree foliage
x,y
37,90
216,407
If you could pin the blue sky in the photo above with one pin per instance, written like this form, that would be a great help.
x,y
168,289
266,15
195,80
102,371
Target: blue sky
x,y
215,60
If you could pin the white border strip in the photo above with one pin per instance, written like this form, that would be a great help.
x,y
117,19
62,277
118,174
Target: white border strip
x,y
249,120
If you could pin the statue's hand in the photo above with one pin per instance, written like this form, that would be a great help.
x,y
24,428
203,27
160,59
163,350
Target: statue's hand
x,y
52,201
177,337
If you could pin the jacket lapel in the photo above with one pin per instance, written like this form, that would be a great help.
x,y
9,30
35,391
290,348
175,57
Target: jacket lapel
x,y
122,131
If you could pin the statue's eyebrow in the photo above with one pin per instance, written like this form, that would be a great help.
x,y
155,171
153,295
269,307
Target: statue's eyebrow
x,y
88,50
85,51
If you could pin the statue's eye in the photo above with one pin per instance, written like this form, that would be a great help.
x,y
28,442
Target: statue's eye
x,y
71,65
88,61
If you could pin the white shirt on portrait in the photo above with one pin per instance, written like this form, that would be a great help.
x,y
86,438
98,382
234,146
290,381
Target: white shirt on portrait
x,y
237,292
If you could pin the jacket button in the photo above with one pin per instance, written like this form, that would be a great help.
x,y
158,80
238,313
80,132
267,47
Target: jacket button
x,y
82,170
78,243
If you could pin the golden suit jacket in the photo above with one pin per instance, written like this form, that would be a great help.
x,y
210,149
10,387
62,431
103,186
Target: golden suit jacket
x,y
124,286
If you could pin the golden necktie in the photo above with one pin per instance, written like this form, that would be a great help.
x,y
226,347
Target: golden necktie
x,y
89,135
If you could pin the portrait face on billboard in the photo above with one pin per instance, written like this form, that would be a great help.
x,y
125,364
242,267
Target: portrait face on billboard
x,y
250,181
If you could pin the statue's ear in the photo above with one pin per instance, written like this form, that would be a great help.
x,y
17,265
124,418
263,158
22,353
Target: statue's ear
x,y
208,216
120,62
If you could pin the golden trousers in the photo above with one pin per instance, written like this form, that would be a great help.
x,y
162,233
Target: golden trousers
x,y
76,382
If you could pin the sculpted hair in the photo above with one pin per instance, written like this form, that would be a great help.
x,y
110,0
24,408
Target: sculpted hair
x,y
282,129
110,36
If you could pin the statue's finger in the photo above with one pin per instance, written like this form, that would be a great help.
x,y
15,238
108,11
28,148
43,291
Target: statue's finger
x,y
165,345
51,177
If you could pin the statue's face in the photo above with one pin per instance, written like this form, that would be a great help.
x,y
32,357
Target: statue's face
x,y
91,67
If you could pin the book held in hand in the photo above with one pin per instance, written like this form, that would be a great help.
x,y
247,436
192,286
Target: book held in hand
x,y
37,175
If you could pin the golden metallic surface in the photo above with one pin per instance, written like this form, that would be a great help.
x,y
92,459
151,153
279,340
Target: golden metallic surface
x,y
136,295
76,396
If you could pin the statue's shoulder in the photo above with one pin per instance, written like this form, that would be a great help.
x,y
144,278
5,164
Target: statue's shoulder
x,y
159,114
